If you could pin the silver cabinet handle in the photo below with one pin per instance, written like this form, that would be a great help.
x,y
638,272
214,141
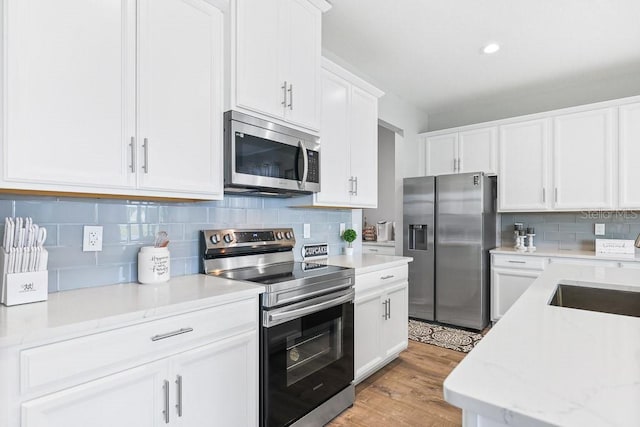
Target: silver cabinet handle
x,y
356,182
544,195
179,392
132,145
389,306
351,186
373,250
556,194
517,262
454,164
390,276
290,90
145,145
165,412
171,334
305,164
284,94
384,316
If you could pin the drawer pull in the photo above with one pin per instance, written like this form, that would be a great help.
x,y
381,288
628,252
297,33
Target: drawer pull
x,y
171,334
517,262
373,250
390,276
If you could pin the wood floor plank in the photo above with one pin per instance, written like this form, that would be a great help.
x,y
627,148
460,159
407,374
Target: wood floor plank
x,y
407,392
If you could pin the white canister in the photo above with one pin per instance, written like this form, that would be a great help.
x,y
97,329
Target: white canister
x,y
153,264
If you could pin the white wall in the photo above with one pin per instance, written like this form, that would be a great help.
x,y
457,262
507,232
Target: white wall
x,y
555,95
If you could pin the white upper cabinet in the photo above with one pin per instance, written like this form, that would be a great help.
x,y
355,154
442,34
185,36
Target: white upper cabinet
x,y
442,154
277,60
629,153
349,140
582,157
459,152
523,173
180,87
114,97
69,86
478,150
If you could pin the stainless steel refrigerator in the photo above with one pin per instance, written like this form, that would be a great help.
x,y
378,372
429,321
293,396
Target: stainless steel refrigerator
x,y
449,227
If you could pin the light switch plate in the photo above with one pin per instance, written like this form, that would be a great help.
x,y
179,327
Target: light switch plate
x,y
599,230
307,231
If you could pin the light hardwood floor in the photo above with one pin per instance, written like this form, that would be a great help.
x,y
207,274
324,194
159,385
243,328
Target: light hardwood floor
x,y
407,392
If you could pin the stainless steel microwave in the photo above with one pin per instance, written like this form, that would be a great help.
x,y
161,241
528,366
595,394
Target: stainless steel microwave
x,y
267,159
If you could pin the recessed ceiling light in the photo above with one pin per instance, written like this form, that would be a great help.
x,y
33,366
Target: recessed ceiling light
x,y
491,48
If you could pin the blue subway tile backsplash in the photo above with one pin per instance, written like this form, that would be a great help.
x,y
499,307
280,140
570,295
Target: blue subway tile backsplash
x,y
128,225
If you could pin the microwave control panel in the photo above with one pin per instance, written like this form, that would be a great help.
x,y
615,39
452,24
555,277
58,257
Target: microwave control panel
x,y
313,173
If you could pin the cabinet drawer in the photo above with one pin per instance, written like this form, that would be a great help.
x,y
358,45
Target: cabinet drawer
x,y
522,261
381,277
378,250
70,362
582,261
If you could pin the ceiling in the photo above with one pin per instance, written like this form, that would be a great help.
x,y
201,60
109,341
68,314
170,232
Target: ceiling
x,y
429,52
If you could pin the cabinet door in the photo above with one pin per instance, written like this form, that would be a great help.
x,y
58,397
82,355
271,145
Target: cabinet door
x,y
629,153
217,384
363,136
334,140
395,327
70,93
523,172
133,398
583,155
507,285
259,55
180,89
302,68
442,154
368,314
478,150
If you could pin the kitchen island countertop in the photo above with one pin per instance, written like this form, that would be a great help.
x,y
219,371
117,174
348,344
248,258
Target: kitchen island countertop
x,y
81,310
544,365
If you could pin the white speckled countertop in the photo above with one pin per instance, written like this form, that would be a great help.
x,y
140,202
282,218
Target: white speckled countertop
x,y
365,263
568,254
81,310
544,365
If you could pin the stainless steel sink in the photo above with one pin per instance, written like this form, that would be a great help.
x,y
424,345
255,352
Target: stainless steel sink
x,y
626,303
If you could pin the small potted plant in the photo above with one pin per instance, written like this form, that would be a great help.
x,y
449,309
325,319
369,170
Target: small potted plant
x,y
349,236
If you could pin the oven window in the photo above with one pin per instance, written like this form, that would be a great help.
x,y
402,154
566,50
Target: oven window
x,y
315,349
262,157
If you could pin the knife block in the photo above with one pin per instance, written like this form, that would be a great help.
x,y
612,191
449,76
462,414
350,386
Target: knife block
x,y
22,288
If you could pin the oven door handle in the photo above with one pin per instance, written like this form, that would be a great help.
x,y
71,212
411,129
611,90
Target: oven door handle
x,y
273,319
305,164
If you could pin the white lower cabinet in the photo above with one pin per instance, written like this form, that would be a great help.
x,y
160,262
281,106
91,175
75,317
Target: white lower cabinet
x,y
381,319
507,285
193,374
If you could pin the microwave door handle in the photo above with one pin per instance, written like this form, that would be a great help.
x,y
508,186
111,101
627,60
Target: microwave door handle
x,y
305,167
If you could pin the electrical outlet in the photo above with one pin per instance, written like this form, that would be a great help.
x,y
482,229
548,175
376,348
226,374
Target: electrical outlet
x,y
343,226
92,238
307,231
599,230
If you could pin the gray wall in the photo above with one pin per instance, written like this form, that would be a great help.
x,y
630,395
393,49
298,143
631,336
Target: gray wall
x,y
571,230
130,225
386,179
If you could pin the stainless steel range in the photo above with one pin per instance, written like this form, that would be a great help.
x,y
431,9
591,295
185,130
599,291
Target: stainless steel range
x,y
306,338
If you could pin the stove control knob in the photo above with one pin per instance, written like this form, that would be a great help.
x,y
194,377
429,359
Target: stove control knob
x,y
288,235
228,238
215,238
279,235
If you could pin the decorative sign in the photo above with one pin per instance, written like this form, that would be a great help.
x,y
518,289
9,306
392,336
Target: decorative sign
x,y
315,251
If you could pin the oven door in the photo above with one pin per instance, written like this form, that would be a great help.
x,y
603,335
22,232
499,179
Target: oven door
x,y
307,356
262,158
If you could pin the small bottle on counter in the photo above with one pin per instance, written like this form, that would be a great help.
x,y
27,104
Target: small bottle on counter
x,y
531,232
